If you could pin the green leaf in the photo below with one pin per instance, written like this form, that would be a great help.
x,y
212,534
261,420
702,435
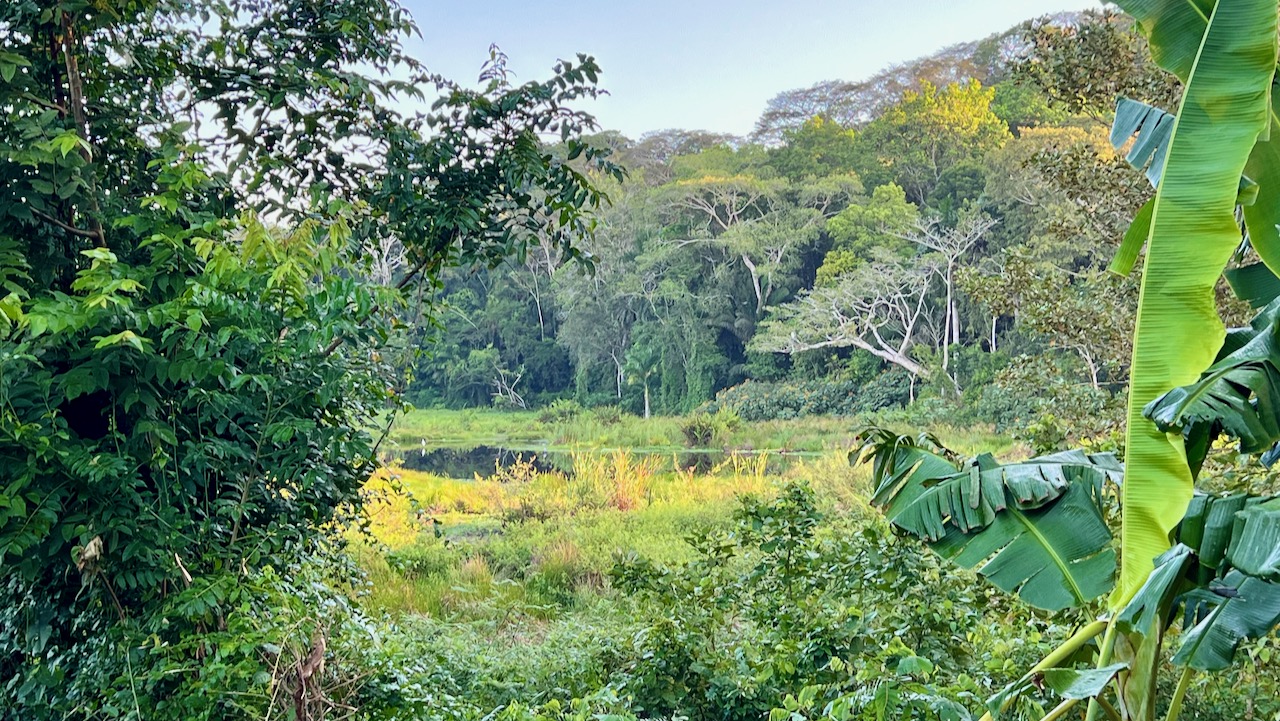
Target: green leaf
x,y
1081,683
1174,29
1238,395
1255,541
1134,238
1262,216
1255,284
1153,127
1250,610
1030,528
1228,60
1151,604
124,337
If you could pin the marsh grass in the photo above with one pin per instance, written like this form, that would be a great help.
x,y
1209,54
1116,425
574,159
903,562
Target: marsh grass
x,y
606,429
524,543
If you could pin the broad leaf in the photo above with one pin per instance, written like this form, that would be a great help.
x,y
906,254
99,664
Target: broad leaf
x,y
1262,216
1032,528
1256,283
1173,28
1080,684
1150,605
1244,608
1134,238
1153,127
1227,58
1238,395
1255,540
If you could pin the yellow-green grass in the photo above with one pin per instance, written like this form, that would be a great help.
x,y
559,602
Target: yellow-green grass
x,y
522,543
587,429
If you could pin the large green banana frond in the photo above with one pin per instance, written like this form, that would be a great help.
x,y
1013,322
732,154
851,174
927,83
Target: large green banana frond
x,y
1238,395
1228,71
1174,29
1033,528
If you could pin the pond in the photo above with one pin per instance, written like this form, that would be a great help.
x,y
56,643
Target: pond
x,y
483,460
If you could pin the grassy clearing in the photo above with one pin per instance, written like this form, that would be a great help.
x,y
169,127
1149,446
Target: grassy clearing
x,y
524,543
520,543
609,430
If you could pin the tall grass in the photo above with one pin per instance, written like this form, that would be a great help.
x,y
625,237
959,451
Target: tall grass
x,y
530,543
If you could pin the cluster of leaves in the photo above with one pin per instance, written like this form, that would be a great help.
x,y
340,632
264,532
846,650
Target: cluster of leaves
x,y
274,641
787,611
766,401
197,343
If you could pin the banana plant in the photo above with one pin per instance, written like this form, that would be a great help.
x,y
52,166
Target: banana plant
x,y
1214,558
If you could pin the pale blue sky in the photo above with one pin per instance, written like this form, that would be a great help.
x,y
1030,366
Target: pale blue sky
x,y
702,64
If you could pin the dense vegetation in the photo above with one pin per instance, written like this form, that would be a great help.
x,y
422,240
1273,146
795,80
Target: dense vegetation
x,y
233,253
938,233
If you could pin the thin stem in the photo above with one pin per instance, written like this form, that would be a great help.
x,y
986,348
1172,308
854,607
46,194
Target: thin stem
x,y
1059,654
1060,710
69,228
1108,708
1175,706
1104,658
75,90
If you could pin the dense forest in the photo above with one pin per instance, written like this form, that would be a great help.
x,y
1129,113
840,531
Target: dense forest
x,y
332,388
938,231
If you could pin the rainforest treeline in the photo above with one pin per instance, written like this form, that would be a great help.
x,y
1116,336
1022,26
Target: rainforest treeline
x,y
939,232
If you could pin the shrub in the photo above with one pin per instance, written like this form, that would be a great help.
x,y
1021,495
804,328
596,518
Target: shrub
x,y
607,415
560,410
700,430
760,401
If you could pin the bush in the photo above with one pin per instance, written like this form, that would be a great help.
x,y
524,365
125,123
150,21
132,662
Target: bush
x,y
286,643
760,401
787,600
607,415
560,410
700,430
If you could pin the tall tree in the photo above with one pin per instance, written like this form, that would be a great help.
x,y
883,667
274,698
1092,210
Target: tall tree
x,y
916,140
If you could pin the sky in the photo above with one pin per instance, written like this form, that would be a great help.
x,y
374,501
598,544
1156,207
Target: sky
x,y
702,64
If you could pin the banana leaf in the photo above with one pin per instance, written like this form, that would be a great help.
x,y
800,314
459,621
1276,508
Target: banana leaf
x,y
1226,55
1255,540
1151,605
1217,620
1174,29
1238,395
1034,528
1262,216
1255,284
1153,127
1078,683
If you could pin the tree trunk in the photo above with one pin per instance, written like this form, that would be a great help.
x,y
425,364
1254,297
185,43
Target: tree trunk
x,y
755,284
946,323
646,399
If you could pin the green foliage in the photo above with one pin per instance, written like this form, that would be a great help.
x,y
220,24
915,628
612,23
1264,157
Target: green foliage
x,y
189,397
778,614
925,134
761,401
560,410
1083,67
819,148
254,638
1035,528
